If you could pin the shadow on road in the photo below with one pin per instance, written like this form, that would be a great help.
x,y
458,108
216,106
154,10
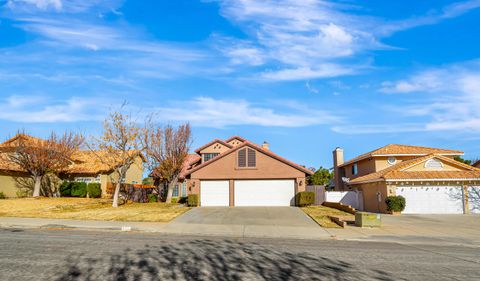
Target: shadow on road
x,y
211,260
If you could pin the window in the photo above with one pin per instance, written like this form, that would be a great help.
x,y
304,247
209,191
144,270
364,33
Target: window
x,y
392,160
247,157
184,189
175,191
354,169
208,156
434,163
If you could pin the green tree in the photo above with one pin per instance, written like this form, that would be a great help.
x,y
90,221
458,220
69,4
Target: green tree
x,y
460,159
322,176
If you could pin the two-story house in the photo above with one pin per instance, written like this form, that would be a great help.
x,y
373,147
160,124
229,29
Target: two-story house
x,y
236,172
430,179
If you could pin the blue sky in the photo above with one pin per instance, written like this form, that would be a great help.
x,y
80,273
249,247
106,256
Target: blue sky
x,y
307,76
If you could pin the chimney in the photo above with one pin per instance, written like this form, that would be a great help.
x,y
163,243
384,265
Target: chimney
x,y
266,145
338,160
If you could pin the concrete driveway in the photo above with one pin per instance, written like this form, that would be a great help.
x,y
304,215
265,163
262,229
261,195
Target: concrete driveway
x,y
285,222
435,229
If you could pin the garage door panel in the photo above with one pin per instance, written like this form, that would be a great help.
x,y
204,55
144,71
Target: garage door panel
x,y
474,199
214,193
264,192
432,199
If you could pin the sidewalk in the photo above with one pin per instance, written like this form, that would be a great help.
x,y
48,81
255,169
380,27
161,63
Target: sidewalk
x,y
238,231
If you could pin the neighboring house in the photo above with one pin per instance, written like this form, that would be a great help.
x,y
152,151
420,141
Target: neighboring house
x,y
431,181
86,167
236,172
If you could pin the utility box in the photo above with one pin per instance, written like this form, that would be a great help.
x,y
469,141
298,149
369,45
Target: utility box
x,y
364,219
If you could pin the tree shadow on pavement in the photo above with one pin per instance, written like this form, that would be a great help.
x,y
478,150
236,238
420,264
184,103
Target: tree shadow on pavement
x,y
211,260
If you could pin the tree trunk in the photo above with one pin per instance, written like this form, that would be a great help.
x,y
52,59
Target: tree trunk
x,y
171,185
38,185
115,195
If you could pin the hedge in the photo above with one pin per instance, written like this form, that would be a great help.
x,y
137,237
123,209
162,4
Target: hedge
x,y
94,190
192,200
305,198
2,195
66,189
152,198
395,203
79,189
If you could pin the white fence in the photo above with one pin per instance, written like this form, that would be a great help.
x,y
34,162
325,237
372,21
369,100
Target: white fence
x,y
352,198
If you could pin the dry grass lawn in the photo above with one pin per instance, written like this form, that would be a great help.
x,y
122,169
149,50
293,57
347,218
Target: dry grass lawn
x,y
89,209
320,215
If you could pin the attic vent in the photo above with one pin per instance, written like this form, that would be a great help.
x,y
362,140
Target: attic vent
x,y
242,158
247,158
434,163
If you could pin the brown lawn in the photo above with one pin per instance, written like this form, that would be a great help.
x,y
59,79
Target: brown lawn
x,y
320,215
89,209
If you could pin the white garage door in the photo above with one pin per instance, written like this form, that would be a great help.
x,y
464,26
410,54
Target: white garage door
x,y
474,199
432,199
214,193
264,192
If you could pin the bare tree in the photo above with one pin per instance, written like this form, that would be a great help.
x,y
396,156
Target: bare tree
x,y
40,157
119,146
167,149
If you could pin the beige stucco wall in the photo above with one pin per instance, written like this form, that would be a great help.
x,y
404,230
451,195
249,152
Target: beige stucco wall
x,y
226,169
421,167
8,185
215,148
365,166
370,196
235,142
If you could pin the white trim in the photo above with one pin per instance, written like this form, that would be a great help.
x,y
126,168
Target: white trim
x,y
396,154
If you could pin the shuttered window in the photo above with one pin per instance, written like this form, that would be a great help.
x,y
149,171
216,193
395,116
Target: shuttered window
x,y
247,158
242,158
252,161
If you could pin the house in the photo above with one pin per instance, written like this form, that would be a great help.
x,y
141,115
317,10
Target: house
x,y
237,172
86,166
431,181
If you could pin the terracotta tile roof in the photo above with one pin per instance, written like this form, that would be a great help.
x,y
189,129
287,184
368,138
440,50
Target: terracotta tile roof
x,y
399,149
256,147
399,171
84,162
15,141
212,142
236,137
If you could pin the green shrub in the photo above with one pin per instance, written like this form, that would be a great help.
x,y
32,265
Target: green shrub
x,y
2,195
182,200
305,198
79,189
152,198
94,190
66,189
174,200
192,200
395,203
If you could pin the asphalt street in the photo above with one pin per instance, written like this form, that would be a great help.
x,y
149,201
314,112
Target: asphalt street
x,y
84,255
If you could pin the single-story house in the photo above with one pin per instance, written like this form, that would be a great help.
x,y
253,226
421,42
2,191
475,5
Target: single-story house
x,y
430,179
237,172
86,166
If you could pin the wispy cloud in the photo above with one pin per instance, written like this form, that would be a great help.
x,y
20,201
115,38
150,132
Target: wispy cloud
x,y
440,99
220,113
37,109
300,39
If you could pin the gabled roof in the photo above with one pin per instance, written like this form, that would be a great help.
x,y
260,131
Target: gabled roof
x,y
256,147
236,137
212,142
400,171
26,139
405,150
